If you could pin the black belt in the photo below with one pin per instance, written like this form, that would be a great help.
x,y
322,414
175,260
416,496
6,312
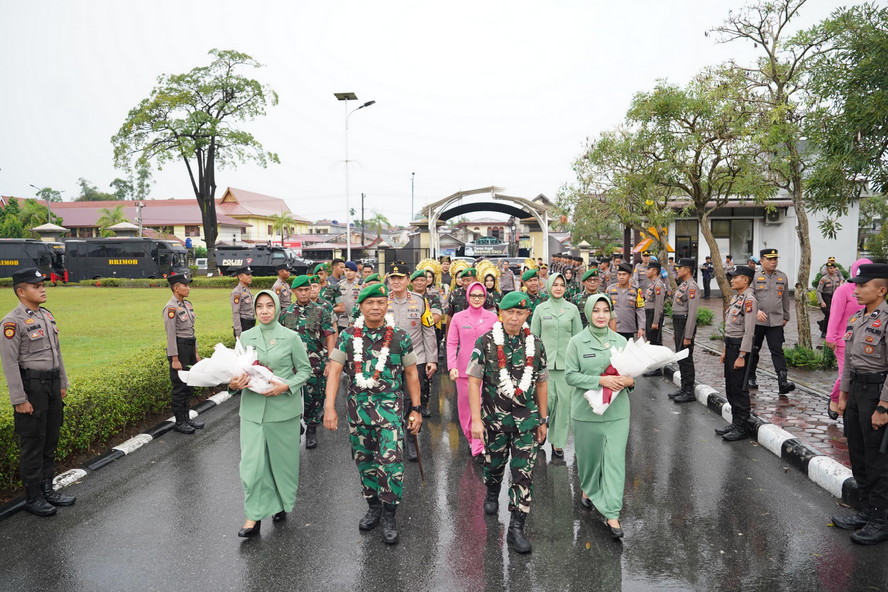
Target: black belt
x,y
871,378
679,316
187,339
41,374
733,341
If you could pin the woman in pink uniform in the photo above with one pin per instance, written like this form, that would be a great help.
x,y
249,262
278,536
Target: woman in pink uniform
x,y
844,304
465,328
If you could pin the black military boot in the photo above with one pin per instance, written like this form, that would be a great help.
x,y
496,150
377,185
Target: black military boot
x,y
675,394
855,522
784,383
875,531
389,526
374,513
684,397
54,497
491,500
410,447
739,432
36,503
311,438
195,423
724,429
516,537
183,428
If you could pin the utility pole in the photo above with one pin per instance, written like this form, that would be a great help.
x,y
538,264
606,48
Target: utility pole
x,y
362,221
412,210
139,206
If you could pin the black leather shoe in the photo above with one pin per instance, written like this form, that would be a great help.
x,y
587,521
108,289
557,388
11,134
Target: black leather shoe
x,y
724,430
515,537
833,415
183,428
685,398
615,531
785,387
855,522
279,517
311,436
54,497
410,448
657,372
491,500
250,532
752,384
36,504
586,502
675,394
373,515
389,525
736,434
196,424
875,531
557,452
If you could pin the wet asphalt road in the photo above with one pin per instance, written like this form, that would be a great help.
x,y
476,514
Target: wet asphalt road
x,y
699,514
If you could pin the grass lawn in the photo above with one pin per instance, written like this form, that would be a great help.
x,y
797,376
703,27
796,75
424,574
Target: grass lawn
x,y
102,325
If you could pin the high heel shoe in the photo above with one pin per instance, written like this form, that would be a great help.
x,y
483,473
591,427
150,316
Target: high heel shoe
x,y
252,531
615,531
833,415
279,517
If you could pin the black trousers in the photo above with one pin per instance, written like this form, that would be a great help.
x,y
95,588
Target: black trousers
x,y
247,324
628,336
686,366
775,344
425,386
868,465
706,291
38,432
654,336
182,393
735,383
824,323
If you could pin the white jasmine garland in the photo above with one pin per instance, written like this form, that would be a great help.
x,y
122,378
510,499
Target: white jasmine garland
x,y
358,343
506,386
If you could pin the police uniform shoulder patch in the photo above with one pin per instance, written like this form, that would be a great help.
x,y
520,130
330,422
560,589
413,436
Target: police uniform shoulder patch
x,y
657,290
29,321
237,299
692,293
749,306
171,312
868,349
8,330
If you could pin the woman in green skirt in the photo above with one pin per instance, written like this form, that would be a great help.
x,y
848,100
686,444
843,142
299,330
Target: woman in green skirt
x,y
270,422
600,440
556,321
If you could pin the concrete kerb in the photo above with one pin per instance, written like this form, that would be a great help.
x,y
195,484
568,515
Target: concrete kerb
x,y
119,451
826,472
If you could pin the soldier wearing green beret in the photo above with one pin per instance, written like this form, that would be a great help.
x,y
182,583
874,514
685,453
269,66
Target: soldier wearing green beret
x,y
591,281
315,283
377,359
531,281
313,323
508,397
328,292
370,280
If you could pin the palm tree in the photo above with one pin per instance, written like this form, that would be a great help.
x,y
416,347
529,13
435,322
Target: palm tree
x,y
378,222
281,222
110,217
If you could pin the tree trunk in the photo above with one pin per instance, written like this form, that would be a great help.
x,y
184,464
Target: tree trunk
x,y
206,199
801,286
723,284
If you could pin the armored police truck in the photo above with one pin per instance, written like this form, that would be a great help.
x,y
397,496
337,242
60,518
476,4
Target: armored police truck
x,y
263,259
124,257
19,253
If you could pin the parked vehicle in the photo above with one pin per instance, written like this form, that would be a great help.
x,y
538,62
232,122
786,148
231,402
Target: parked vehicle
x,y
19,253
94,258
263,259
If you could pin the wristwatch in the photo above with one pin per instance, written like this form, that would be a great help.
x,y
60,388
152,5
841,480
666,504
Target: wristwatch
x,y
417,408
742,355
545,421
882,409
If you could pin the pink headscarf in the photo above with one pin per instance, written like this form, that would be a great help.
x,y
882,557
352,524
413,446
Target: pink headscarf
x,y
475,310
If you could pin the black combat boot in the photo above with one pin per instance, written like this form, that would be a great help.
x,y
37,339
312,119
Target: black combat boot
x,y
54,497
684,397
855,522
36,503
389,526
724,429
784,383
374,513
491,500
183,428
739,432
410,447
675,394
875,531
311,438
516,537
195,423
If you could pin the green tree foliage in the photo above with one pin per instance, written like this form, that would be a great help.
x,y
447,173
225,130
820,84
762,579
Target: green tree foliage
x,y
123,189
89,192
11,225
192,118
588,217
377,223
34,213
49,194
110,217
282,223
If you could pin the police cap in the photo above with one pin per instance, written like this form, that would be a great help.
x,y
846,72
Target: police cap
x,y
28,275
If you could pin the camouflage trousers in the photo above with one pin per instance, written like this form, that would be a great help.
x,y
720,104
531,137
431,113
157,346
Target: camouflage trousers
x,y
522,447
377,453
313,396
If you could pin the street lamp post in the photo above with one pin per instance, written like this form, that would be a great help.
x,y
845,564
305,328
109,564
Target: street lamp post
x,y
346,97
48,211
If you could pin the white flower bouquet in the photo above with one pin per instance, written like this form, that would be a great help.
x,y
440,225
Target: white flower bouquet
x,y
225,364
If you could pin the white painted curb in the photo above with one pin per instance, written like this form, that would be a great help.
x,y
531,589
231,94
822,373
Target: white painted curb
x,y
68,477
133,443
773,437
828,474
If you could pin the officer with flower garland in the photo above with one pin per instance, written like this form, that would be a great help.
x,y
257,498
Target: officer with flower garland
x,y
378,359
508,397
311,320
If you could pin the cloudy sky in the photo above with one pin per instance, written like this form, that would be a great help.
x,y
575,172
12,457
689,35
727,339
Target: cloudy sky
x,y
468,93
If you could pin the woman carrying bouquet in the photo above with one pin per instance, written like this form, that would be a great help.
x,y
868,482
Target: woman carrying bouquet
x,y
600,440
269,426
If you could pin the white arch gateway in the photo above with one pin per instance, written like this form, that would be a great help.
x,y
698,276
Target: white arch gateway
x,y
524,208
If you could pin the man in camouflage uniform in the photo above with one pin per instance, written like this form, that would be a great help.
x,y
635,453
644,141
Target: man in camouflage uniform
x,y
375,414
591,285
349,288
628,304
530,279
685,303
181,349
315,296
407,309
281,287
512,424
242,315
328,292
314,325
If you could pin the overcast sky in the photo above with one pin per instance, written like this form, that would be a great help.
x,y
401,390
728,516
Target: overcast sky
x,y
468,93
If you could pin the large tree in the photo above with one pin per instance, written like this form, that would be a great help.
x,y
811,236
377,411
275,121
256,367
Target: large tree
x,y
89,192
778,87
282,223
192,118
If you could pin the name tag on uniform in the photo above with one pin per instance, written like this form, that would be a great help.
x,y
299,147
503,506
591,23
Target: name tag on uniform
x,y
548,318
589,355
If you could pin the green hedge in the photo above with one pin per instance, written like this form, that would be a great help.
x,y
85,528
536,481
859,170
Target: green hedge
x,y
102,403
259,283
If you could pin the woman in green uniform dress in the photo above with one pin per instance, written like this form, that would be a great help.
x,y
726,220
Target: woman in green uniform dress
x,y
269,426
556,321
600,440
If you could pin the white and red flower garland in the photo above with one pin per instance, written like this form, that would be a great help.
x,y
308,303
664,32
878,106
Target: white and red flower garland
x,y
358,341
506,386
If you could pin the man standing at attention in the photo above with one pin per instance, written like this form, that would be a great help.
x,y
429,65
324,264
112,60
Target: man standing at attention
x,y
739,331
628,304
242,315
349,288
685,303
181,349
772,293
281,287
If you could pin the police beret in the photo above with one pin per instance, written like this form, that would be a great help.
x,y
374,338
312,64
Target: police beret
x,y
654,264
589,273
320,267
514,300
742,270
870,271
685,262
468,272
300,281
178,278
530,273
768,253
28,275
624,267
417,273
606,259
373,277
351,265
373,291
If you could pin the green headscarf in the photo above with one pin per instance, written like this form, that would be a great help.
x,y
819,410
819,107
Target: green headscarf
x,y
590,304
551,282
277,311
